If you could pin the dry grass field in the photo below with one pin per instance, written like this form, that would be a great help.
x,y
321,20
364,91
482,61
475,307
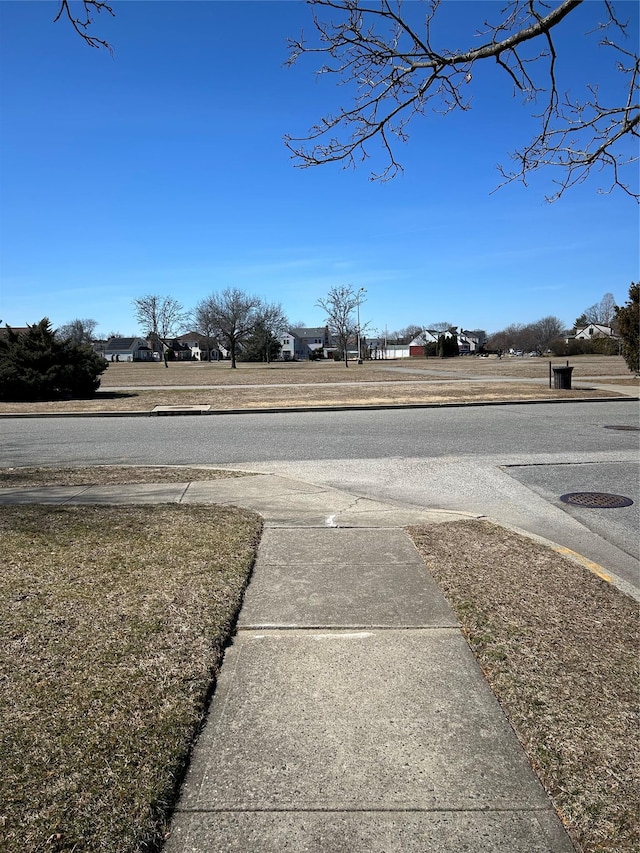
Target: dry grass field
x,y
559,647
140,387
138,375
113,622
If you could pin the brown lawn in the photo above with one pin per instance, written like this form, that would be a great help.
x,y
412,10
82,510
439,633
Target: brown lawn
x,y
141,387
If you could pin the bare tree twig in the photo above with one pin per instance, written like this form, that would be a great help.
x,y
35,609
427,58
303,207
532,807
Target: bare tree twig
x,y
81,25
394,73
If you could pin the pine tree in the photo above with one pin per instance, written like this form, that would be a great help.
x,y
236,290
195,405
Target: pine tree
x,y
35,365
628,318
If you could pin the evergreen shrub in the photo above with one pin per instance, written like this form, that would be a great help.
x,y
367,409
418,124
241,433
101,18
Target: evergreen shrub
x,y
35,365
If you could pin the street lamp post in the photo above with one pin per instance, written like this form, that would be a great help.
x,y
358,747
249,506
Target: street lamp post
x,y
362,290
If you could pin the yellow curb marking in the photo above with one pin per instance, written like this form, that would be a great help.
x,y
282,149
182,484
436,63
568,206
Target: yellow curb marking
x,y
593,567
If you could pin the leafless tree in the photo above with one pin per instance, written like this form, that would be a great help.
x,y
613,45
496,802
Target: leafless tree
x,y
545,331
509,338
397,69
339,306
525,337
202,323
78,331
231,316
272,323
406,335
602,312
537,336
160,317
394,67
441,326
82,23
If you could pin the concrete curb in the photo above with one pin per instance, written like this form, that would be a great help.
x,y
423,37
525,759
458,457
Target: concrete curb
x,y
298,409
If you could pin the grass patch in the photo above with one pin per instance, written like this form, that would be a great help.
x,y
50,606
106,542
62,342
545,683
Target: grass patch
x,y
130,375
559,647
327,383
397,391
113,623
109,475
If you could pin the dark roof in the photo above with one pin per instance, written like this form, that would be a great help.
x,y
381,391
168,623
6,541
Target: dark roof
x,y
178,346
196,336
123,343
318,332
19,330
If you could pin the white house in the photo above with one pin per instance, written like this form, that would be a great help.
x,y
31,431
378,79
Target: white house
x,y
470,343
288,346
594,330
301,343
127,349
200,346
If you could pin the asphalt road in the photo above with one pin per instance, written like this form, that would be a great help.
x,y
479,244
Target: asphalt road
x,y
508,462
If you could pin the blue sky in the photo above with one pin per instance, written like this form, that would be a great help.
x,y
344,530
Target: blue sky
x,y
162,170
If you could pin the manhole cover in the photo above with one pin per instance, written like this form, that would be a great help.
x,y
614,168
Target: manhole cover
x,y
596,500
624,427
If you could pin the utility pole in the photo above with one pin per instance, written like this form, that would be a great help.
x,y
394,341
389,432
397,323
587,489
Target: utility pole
x,y
362,290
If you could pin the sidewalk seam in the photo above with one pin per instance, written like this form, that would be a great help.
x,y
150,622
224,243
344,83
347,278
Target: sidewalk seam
x,y
399,810
335,629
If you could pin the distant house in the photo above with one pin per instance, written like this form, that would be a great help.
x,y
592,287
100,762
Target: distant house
x,y
287,346
594,330
19,330
395,351
301,343
100,347
428,336
178,350
202,348
128,349
470,343
417,345
374,348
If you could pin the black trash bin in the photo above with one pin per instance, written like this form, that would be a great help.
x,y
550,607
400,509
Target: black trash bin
x,y
562,377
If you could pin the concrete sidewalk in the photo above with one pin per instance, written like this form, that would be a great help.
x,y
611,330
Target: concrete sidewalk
x,y
280,500
350,715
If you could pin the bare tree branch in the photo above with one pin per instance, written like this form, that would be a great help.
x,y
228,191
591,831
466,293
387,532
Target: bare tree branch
x,y
81,25
394,73
79,331
160,317
231,316
339,306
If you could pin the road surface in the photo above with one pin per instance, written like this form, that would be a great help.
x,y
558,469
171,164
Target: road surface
x,y
507,462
